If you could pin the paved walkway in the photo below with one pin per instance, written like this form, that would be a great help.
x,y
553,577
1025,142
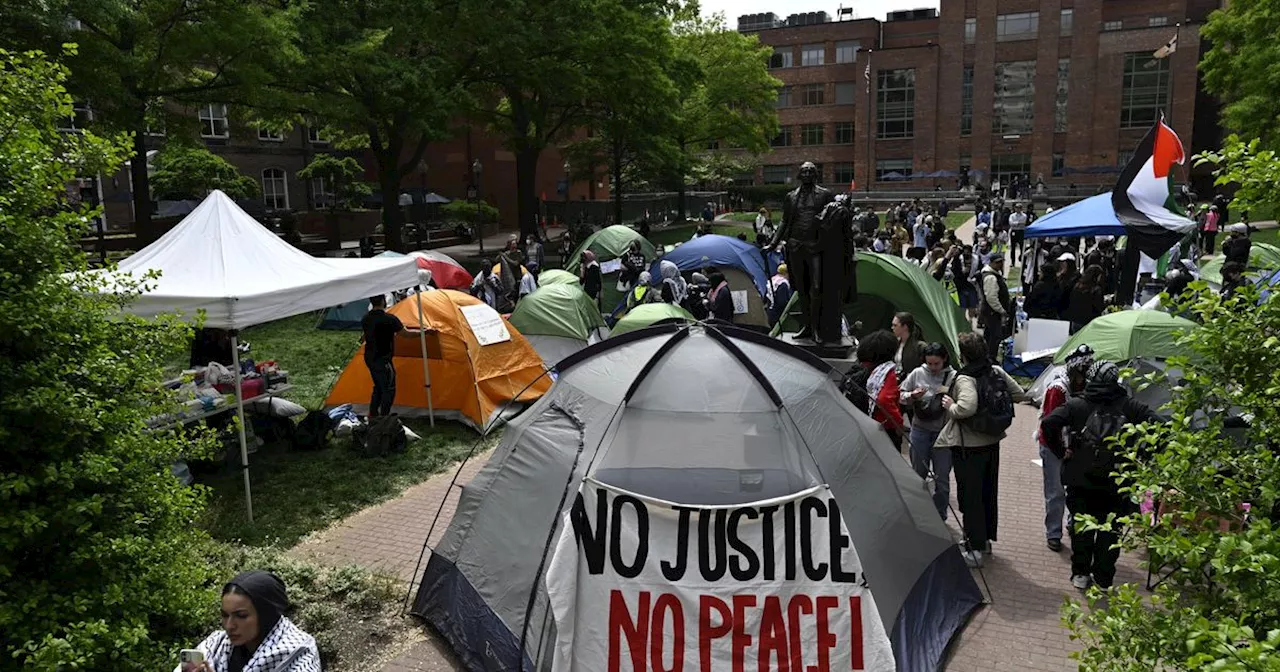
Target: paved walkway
x,y
1020,632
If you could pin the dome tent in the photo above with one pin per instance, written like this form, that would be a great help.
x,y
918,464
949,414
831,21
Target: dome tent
x,y
558,320
608,244
649,314
741,264
1262,257
769,425
556,276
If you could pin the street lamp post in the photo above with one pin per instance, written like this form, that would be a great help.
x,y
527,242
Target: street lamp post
x,y
476,170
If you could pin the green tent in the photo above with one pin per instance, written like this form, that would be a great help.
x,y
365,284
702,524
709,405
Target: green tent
x,y
889,284
1129,334
609,243
648,314
557,310
1262,257
556,276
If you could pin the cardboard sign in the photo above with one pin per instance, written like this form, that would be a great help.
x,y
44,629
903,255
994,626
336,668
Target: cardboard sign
x,y
485,322
640,584
739,301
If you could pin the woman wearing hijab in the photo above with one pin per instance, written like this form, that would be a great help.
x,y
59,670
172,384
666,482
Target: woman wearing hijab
x,y
642,293
256,636
590,275
674,289
720,298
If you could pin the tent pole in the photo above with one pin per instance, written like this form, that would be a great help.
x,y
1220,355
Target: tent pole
x,y
426,364
244,448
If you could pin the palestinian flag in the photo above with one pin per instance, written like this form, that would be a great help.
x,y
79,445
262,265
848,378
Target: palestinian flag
x,y
1143,196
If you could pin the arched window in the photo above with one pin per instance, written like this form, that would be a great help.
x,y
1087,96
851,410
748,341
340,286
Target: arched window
x,y
275,189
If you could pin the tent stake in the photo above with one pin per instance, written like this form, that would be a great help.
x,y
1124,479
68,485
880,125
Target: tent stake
x,y
426,364
244,448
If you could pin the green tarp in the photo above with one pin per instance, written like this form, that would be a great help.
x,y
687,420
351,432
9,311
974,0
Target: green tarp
x,y
1262,257
648,314
557,310
609,243
556,276
1129,334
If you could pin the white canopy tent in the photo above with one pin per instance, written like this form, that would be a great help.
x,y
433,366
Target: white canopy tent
x,y
221,260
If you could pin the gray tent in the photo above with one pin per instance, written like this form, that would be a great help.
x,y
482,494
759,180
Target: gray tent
x,y
704,416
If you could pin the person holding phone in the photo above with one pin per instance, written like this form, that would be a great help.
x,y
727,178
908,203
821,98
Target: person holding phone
x,y
256,636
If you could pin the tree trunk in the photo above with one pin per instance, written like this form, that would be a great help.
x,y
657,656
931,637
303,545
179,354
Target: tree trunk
x,y
142,228
617,191
526,194
680,185
392,217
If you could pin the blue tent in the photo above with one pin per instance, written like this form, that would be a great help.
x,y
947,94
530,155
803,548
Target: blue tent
x,y
348,315
717,250
1093,216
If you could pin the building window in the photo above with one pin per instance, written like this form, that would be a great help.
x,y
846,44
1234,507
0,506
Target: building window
x,y
811,134
1123,158
815,94
845,91
1144,90
844,132
842,173
1060,99
1059,162
777,174
1112,25
895,103
781,58
966,101
1067,23
970,30
213,121
813,54
893,169
275,189
1005,168
1021,26
1015,97
1156,21
784,97
315,136
269,135
321,197
80,117
783,138
847,51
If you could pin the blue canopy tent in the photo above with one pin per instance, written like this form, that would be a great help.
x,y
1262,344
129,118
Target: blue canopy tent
x,y
1094,216
719,251
349,315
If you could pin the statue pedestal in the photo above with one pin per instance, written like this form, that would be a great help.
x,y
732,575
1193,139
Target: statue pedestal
x,y
839,355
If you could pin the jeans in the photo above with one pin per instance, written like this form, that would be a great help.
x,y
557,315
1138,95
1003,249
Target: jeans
x,y
1055,496
1092,553
977,484
925,457
993,333
383,372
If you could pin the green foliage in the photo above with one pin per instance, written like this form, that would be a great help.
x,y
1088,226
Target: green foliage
x,y
99,555
342,175
185,171
1240,67
468,211
1220,605
1254,171
762,194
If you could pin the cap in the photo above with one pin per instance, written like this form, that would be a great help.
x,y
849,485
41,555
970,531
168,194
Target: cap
x,y
1239,227
1067,256
995,256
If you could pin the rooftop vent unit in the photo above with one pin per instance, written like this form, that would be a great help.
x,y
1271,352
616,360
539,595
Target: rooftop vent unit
x,y
913,14
752,22
807,19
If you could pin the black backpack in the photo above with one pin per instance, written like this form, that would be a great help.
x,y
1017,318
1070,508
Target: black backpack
x,y
313,432
932,410
1092,442
995,405
380,436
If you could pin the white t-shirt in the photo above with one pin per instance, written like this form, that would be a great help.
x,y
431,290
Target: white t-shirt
x,y
1017,220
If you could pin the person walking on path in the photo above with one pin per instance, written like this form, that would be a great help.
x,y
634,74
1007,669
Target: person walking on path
x,y
1067,383
380,329
922,391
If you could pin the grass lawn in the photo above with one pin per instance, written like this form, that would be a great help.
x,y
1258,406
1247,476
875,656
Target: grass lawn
x,y
313,357
682,234
1269,236
957,219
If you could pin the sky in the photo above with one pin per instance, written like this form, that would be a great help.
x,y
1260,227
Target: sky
x,y
862,9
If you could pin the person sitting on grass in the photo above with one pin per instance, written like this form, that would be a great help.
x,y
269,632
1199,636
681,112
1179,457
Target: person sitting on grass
x,y
256,636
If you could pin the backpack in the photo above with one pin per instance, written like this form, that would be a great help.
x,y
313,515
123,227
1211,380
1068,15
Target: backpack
x,y
854,387
932,410
313,432
1103,423
995,405
380,436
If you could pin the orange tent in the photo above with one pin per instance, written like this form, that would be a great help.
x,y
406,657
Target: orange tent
x,y
469,382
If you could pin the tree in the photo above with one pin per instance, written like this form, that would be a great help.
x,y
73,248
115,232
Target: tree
x,y
727,95
1254,171
100,555
184,171
136,58
341,176
1240,67
1217,538
388,77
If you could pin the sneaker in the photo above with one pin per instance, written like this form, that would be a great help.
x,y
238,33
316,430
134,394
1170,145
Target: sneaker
x,y
1081,581
972,559
1055,545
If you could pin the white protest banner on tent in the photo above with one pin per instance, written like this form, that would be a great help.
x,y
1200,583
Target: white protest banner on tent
x,y
611,266
640,584
739,301
486,324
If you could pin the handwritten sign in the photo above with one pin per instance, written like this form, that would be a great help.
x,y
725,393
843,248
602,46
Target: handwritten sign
x,y
487,325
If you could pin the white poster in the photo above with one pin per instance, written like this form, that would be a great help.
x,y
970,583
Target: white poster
x,y
641,584
611,266
739,301
486,324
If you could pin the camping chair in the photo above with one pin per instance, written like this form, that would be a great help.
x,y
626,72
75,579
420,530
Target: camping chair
x,y
1014,366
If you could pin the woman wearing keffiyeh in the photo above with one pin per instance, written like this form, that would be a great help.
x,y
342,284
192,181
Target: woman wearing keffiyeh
x,y
256,636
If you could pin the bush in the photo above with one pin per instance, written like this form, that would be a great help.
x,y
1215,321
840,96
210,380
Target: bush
x,y
101,563
467,211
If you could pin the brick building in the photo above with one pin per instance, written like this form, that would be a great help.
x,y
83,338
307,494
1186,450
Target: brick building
x,y
1062,89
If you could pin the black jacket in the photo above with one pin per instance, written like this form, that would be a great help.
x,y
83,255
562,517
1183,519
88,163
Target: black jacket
x,y
1083,306
1237,250
1042,300
1084,468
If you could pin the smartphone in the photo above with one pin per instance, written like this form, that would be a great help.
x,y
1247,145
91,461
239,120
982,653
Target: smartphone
x,y
191,656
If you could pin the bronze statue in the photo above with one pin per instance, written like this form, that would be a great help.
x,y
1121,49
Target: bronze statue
x,y
820,253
